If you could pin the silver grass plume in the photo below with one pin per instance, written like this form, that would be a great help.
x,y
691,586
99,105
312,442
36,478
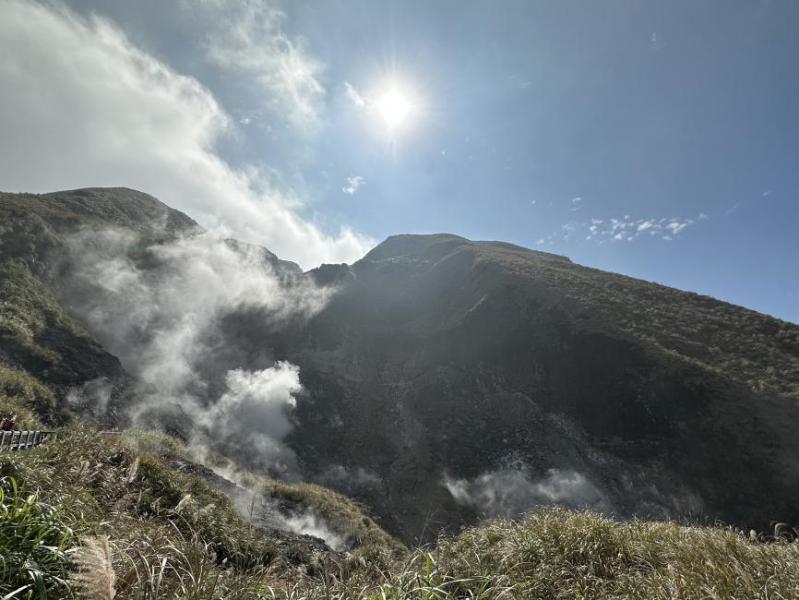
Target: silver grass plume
x,y
95,577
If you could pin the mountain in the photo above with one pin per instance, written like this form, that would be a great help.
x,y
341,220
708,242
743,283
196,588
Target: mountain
x,y
448,380
478,378
38,329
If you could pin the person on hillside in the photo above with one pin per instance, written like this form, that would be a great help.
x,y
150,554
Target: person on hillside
x,y
8,423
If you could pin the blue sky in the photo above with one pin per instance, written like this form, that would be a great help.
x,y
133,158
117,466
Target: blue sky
x,y
655,139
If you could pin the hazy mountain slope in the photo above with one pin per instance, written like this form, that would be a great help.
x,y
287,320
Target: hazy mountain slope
x,y
40,236
517,377
446,380
37,333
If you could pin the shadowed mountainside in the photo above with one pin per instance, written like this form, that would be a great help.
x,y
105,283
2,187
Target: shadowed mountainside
x,y
478,378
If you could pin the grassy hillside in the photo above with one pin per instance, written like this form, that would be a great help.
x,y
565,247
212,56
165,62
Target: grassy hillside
x,y
750,347
84,516
171,533
438,360
41,218
37,336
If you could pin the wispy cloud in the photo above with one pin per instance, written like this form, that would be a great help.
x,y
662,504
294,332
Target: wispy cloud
x,y
621,229
354,95
626,229
352,185
248,36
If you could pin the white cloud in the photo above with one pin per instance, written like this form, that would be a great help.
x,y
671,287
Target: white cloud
x,y
87,108
676,226
646,225
619,229
352,185
247,36
353,94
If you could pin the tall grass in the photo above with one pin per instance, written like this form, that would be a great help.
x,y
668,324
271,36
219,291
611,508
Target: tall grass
x,y
171,535
35,538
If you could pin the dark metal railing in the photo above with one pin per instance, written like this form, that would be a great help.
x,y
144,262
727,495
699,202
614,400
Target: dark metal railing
x,y
22,440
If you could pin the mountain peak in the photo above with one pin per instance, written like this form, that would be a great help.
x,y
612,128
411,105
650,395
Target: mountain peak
x,y
416,246
413,245
122,207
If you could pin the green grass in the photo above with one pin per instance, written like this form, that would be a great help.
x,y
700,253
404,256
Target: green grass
x,y
341,514
34,541
27,308
22,395
556,553
173,535
163,524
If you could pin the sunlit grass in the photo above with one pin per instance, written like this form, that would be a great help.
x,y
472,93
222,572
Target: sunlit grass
x,y
173,535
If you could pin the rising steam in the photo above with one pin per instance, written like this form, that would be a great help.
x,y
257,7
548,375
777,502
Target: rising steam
x,y
191,318
509,493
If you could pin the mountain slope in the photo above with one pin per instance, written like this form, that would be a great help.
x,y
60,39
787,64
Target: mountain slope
x,y
42,237
478,378
38,334
447,380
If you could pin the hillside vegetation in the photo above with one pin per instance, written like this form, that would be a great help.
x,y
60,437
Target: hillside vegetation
x,y
171,533
479,402
85,515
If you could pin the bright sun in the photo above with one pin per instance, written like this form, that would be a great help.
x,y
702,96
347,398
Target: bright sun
x,y
394,107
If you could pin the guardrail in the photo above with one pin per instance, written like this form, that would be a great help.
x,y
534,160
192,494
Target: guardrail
x,y
22,440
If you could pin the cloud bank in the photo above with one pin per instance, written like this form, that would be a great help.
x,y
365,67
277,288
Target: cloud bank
x,y
83,107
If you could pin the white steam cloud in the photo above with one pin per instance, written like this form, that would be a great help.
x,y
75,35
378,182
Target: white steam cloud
x,y
254,413
191,318
309,523
509,493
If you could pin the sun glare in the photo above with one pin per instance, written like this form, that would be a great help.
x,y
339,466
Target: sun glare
x,y
394,107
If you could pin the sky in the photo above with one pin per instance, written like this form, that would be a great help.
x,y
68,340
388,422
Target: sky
x,y
655,139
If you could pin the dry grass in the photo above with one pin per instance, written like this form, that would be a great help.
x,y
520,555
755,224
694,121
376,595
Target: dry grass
x,y
171,535
95,577
556,553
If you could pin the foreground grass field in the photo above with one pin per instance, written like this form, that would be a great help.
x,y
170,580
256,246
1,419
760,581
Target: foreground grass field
x,y
100,518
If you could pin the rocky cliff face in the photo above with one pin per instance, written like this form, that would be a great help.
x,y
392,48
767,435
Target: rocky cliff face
x,y
447,380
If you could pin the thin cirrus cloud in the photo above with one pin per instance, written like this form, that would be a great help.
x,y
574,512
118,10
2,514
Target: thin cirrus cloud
x,y
247,37
354,95
88,108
